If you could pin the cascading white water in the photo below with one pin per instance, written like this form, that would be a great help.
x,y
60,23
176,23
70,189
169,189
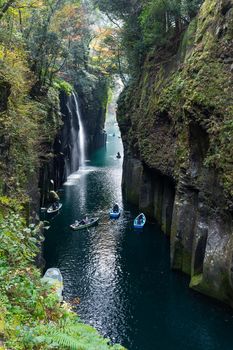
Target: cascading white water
x,y
81,134
76,151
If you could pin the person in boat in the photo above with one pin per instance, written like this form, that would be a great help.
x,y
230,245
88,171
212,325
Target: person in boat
x,y
115,208
55,205
140,219
84,221
54,198
118,155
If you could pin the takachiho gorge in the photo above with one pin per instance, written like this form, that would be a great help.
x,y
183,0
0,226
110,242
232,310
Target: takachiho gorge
x,y
116,149
121,277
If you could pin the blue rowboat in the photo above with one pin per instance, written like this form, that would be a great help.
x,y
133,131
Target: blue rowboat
x,y
115,212
114,215
139,221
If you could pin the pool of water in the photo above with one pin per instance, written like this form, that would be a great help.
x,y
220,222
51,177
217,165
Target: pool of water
x,y
122,277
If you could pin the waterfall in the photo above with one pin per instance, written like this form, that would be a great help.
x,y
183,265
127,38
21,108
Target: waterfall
x,y
77,135
81,134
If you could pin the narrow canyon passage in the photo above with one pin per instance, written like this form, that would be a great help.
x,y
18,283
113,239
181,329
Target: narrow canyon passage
x,y
116,108
122,277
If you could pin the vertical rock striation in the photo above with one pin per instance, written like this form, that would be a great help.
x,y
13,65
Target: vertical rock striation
x,y
60,161
176,124
64,156
92,90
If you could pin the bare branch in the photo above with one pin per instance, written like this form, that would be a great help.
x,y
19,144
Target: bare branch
x,y
5,7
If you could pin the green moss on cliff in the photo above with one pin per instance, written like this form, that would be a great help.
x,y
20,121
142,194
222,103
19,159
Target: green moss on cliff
x,y
26,123
223,292
188,40
63,85
193,86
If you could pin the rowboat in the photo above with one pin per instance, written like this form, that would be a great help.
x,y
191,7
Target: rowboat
x,y
139,221
115,214
51,209
54,278
78,226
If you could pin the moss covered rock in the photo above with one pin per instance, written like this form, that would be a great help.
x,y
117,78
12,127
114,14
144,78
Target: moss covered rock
x,y
177,120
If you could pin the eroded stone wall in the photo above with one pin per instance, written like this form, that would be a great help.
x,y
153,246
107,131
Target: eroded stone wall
x,y
175,123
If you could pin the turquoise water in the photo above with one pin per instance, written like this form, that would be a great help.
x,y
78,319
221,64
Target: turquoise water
x,y
122,277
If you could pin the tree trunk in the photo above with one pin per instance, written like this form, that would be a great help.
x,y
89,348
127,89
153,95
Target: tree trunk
x,y
5,7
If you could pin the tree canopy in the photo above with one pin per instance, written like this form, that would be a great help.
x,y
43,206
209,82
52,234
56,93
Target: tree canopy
x,y
148,23
52,33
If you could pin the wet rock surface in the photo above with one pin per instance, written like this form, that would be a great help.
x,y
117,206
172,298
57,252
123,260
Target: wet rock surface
x,y
176,168
92,97
92,91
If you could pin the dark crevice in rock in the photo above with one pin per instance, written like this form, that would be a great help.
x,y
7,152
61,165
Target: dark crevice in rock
x,y
199,253
226,6
198,143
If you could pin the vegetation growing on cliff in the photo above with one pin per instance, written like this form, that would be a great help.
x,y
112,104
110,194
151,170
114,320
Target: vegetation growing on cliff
x,y
43,44
30,314
162,20
181,67
185,79
204,89
176,119
148,24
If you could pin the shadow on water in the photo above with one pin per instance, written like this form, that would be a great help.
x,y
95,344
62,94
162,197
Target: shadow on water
x,y
123,277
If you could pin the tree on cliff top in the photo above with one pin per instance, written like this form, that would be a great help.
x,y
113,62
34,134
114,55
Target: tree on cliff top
x,y
163,19
148,23
53,33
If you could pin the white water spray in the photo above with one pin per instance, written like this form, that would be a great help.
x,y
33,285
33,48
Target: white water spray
x,y
81,134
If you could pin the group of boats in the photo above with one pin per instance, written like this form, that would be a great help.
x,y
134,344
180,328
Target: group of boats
x,y
114,213
53,276
139,221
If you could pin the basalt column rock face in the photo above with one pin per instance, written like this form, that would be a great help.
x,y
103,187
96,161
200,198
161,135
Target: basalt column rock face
x,y
60,163
64,158
177,130
92,91
66,145
132,173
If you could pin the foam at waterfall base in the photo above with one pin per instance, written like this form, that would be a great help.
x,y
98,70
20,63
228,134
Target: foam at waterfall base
x,y
76,176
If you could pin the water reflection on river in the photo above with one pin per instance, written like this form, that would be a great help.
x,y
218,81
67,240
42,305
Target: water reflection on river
x,y
122,277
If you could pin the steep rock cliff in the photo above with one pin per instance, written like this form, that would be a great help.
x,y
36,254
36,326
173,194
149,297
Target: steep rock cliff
x,y
58,161
176,124
28,125
62,156
92,90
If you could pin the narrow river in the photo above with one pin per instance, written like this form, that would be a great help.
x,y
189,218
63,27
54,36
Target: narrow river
x,y
122,277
